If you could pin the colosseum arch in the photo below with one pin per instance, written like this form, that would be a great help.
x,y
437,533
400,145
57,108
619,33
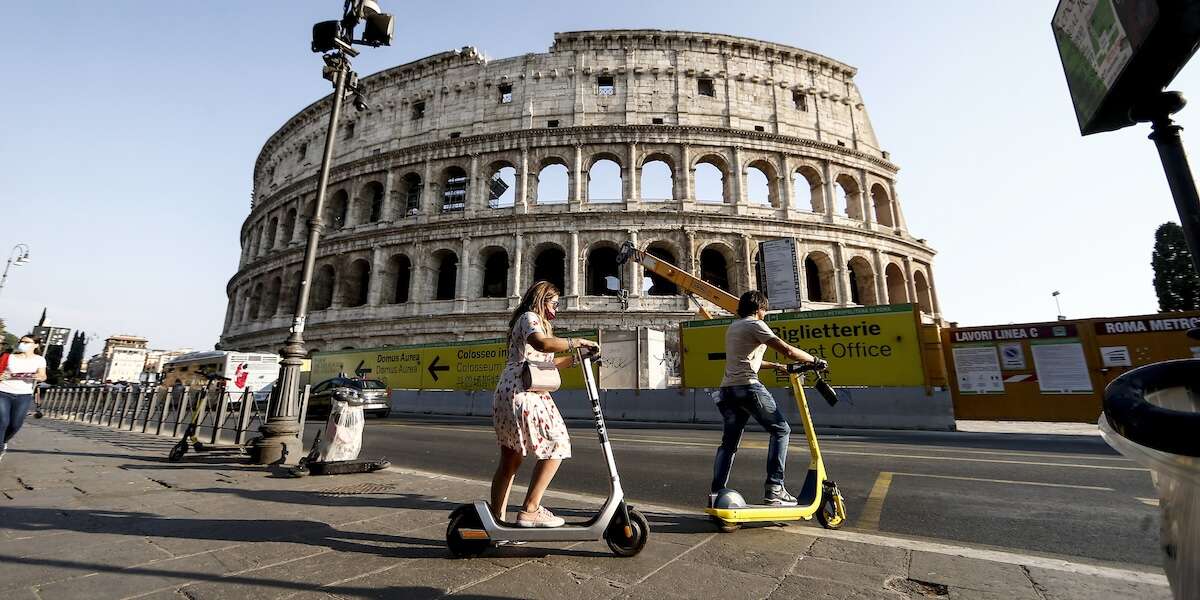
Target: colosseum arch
x,y
897,287
257,243
762,183
552,184
601,266
324,284
883,206
716,265
807,178
356,283
270,306
368,206
410,194
492,272
712,179
862,282
454,189
501,184
605,182
254,310
849,197
820,277
444,275
657,178
398,283
290,293
289,227
272,233
549,264
924,299
658,285
337,210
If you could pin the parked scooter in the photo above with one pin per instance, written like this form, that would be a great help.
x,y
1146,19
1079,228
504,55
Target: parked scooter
x,y
335,449
819,496
191,433
473,528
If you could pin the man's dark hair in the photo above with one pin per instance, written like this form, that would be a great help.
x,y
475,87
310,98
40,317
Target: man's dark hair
x,y
751,302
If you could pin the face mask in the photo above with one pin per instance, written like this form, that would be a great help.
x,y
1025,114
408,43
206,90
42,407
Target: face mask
x,y
24,347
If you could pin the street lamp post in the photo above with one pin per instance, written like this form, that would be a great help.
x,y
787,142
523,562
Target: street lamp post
x,y
18,256
1058,306
280,441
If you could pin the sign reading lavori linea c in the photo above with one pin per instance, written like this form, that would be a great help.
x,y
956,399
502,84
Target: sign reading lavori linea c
x,y
869,346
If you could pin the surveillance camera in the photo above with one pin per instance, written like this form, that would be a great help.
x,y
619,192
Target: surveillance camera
x,y
360,102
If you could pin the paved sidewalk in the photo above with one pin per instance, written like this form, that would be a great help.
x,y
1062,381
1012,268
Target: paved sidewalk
x,y
89,512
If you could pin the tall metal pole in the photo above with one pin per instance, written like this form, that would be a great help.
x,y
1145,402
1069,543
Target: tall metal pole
x,y
280,442
1165,134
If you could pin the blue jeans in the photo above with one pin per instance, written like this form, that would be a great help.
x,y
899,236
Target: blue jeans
x,y
12,413
738,403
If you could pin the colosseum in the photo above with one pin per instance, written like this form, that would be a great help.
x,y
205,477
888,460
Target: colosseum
x,y
467,178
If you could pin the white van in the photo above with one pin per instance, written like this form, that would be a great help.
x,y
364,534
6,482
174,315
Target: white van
x,y
245,370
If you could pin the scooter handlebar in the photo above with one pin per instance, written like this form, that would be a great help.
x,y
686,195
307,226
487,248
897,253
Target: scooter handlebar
x,y
820,367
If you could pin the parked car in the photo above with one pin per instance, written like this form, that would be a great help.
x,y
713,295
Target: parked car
x,y
374,392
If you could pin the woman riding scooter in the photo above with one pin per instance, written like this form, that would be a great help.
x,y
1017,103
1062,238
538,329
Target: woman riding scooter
x,y
742,396
528,421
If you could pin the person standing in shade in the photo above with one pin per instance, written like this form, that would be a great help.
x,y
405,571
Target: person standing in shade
x,y
743,396
24,369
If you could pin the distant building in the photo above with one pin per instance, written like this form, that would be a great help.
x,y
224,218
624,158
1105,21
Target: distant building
x,y
155,359
123,359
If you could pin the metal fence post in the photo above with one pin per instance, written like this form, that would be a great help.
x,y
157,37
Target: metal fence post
x,y
221,414
163,402
137,407
243,423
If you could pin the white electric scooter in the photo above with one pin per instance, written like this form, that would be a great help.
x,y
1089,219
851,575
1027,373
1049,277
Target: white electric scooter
x,y
474,529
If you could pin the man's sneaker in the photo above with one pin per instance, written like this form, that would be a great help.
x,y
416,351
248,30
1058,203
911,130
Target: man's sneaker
x,y
779,497
539,518
3,449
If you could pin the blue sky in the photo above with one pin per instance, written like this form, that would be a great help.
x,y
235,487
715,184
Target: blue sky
x,y
129,130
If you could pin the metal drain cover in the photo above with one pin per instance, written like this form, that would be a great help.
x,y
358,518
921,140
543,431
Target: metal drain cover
x,y
362,488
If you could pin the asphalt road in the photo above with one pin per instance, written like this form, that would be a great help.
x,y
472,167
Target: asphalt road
x,y
1062,495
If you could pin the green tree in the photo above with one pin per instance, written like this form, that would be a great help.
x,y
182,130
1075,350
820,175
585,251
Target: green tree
x,y
74,357
1175,279
7,340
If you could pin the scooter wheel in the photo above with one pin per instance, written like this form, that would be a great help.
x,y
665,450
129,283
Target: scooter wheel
x,y
177,451
830,515
628,545
198,447
464,517
726,526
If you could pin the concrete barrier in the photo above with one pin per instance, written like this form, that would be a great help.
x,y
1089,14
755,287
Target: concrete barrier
x,y
870,408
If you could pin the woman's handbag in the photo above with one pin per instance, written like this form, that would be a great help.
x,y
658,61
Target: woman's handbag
x,y
540,376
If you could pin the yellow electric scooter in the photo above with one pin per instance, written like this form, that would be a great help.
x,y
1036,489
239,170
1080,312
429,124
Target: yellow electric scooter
x,y
819,496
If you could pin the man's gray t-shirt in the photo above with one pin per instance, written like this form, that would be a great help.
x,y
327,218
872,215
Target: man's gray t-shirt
x,y
745,344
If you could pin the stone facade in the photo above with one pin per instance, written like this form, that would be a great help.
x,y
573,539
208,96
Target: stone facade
x,y
420,245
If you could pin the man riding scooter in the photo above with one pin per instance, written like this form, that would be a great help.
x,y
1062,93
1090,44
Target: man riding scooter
x,y
743,396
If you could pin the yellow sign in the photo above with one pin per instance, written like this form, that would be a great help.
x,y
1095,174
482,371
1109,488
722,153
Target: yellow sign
x,y
464,366
870,346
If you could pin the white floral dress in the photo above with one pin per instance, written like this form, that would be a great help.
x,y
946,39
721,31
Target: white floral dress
x,y
527,421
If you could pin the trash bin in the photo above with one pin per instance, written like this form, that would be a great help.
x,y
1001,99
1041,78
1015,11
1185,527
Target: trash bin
x,y
342,438
1152,415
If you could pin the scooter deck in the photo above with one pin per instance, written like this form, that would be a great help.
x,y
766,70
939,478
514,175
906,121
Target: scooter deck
x,y
763,512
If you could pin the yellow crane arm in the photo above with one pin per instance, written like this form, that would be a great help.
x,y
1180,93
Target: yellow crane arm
x,y
682,279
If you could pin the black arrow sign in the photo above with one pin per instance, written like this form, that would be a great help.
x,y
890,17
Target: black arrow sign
x,y
716,356
361,369
434,368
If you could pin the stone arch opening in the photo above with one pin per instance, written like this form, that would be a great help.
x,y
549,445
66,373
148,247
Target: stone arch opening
x,y
400,268
289,227
256,297
819,278
323,284
410,190
760,184
495,272
862,282
897,287
291,293
272,233
370,204
549,264
605,184
849,197
656,285
603,271
502,185
808,190
714,266
553,183
454,189
356,283
711,181
445,275
337,211
883,206
657,179
271,297
924,298
258,237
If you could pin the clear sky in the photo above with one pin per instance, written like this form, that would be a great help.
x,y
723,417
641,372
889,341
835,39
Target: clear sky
x,y
129,129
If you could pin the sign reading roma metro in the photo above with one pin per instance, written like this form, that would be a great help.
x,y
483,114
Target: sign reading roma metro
x,y
869,346
465,366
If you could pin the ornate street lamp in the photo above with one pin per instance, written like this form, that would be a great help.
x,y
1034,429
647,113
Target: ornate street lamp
x,y
18,257
280,440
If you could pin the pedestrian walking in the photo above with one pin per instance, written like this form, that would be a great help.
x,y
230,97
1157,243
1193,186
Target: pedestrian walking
x,y
23,370
524,414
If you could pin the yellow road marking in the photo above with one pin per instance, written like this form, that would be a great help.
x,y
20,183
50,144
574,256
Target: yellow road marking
x,y
1148,501
1038,483
869,519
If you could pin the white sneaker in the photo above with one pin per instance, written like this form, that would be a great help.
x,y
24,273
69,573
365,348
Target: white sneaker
x,y
539,518
3,449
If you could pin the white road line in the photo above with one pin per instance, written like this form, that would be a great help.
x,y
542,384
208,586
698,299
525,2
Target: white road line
x,y
1038,483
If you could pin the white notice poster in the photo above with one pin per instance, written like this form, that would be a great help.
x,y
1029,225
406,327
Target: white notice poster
x,y
1115,356
978,370
782,273
1061,368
